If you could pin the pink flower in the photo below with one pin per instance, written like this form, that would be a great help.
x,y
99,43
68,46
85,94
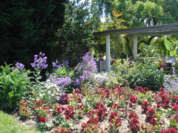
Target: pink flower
x,y
42,119
67,117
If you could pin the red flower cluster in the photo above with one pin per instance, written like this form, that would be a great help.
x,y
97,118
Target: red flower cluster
x,y
23,103
115,106
38,103
169,130
133,100
55,108
134,125
114,120
91,126
165,100
23,112
77,96
145,105
107,92
69,111
151,116
142,90
176,100
42,119
61,129
67,117
133,115
175,107
64,99
60,109
112,116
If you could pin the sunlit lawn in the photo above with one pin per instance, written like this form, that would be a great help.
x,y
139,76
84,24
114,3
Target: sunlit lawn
x,y
8,124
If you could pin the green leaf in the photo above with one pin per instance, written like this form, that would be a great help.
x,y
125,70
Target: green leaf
x,y
172,53
168,45
176,51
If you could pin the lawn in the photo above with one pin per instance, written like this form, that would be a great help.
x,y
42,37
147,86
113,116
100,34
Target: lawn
x,y
8,124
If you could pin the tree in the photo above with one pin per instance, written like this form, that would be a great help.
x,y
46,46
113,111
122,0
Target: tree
x,y
28,27
138,13
77,31
116,40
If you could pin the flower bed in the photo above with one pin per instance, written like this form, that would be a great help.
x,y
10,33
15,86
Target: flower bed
x,y
50,107
101,110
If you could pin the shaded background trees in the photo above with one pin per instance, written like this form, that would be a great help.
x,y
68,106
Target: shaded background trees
x,y
58,28
28,27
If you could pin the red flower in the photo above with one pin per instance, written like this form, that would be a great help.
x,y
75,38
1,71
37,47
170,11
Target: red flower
x,y
162,89
158,105
112,116
134,121
175,107
63,108
133,115
67,117
162,131
171,130
42,119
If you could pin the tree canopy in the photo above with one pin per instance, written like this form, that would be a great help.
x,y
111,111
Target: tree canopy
x,y
139,13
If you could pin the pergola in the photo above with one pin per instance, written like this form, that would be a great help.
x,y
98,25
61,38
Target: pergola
x,y
166,29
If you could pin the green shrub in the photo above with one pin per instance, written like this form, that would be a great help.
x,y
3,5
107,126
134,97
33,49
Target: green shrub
x,y
13,86
139,74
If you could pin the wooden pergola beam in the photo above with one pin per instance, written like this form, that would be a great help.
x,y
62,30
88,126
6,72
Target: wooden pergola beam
x,y
153,34
150,30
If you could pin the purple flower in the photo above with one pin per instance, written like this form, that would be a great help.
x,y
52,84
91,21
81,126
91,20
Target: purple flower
x,y
56,64
63,82
19,66
86,68
41,62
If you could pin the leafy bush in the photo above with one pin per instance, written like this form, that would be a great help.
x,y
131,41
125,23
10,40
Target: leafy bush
x,y
13,86
139,74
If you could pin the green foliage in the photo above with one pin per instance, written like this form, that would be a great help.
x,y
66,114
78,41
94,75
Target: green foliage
x,y
45,91
63,72
61,121
140,13
173,50
173,124
116,40
139,74
13,86
44,127
77,30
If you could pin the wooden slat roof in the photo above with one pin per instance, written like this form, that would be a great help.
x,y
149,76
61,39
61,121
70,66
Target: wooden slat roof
x,y
166,29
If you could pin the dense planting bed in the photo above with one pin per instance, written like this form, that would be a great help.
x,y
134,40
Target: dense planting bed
x,y
96,110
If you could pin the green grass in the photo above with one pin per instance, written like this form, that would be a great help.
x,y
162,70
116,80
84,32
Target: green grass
x,y
8,124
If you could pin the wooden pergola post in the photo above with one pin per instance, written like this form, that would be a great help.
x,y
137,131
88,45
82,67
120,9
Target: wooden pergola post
x,y
108,53
134,47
